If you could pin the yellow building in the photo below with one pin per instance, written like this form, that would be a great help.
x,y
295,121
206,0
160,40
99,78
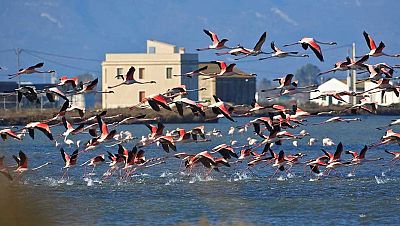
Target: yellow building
x,y
161,62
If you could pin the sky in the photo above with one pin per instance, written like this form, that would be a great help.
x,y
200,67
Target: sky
x,y
72,37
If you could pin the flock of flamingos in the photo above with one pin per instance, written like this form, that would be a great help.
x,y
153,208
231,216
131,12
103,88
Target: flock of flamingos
x,y
272,129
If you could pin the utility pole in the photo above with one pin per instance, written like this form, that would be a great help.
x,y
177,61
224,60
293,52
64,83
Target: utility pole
x,y
17,52
354,74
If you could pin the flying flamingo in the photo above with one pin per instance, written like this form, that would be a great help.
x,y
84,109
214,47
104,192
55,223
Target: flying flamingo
x,y
90,88
337,119
129,79
31,70
195,73
93,162
359,158
4,133
396,157
64,80
376,51
221,108
69,160
257,48
338,66
22,162
313,44
216,43
281,54
43,127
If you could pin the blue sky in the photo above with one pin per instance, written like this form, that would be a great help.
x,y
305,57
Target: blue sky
x,y
89,29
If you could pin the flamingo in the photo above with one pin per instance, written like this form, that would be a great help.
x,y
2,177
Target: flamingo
x,y
225,150
338,66
69,160
313,44
31,70
157,100
93,162
257,48
90,88
195,107
281,54
335,94
64,80
376,51
29,92
4,133
129,79
155,131
396,157
216,43
359,158
195,73
167,142
337,119
197,131
219,107
22,162
43,127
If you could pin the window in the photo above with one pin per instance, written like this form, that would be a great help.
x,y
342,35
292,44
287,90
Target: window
x,y
152,49
120,72
141,73
323,98
169,72
142,95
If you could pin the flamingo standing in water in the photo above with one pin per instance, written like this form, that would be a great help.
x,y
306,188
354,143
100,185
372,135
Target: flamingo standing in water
x,y
376,51
129,79
216,43
31,70
281,54
313,44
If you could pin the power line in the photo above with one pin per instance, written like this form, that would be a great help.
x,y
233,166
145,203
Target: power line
x,y
63,56
62,64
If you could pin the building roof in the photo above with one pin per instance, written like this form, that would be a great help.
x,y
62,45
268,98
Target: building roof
x,y
213,68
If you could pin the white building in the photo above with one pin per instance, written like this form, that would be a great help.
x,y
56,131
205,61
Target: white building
x,y
332,85
388,98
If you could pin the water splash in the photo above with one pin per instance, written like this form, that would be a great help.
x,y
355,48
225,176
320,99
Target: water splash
x,y
200,178
166,174
238,176
281,178
382,180
171,181
89,182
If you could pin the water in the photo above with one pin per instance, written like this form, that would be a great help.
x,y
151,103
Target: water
x,y
161,196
